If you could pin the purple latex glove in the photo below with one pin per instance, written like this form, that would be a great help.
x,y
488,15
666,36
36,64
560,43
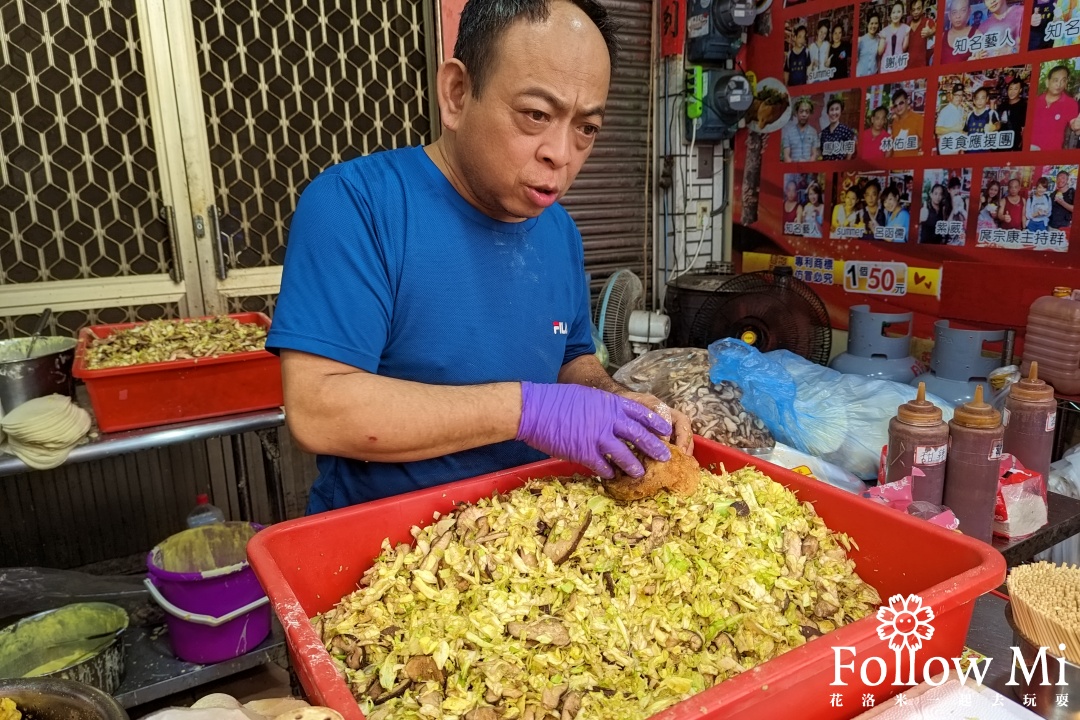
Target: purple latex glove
x,y
590,427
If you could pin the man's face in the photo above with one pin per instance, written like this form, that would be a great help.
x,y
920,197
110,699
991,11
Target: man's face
x,y
1014,91
522,143
870,196
900,106
980,100
916,10
877,120
1062,180
803,114
957,97
958,13
1055,84
800,38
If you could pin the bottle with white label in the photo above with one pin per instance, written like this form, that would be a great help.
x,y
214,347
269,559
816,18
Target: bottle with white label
x,y
973,468
918,447
1029,418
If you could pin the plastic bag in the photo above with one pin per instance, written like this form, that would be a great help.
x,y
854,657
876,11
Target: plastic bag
x,y
1020,508
897,495
680,377
28,590
1001,381
840,418
816,468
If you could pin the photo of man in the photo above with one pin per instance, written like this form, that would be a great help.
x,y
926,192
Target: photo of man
x,y
827,41
1062,197
905,102
923,30
796,57
1056,110
1054,23
981,112
956,32
871,206
799,140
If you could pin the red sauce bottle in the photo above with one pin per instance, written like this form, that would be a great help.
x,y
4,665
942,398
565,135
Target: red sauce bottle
x,y
1029,419
918,448
974,466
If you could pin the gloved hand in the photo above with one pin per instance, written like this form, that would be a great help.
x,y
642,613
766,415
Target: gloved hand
x,y
591,427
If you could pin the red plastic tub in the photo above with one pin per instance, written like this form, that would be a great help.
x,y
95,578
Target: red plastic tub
x,y
307,565
150,394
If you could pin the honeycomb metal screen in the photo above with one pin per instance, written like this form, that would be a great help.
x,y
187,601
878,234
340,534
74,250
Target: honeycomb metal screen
x,y
78,193
294,87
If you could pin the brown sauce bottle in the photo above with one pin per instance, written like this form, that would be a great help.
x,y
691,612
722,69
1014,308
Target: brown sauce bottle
x,y
1029,419
974,466
918,438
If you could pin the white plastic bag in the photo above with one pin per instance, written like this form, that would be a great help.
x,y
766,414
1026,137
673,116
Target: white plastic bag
x,y
840,418
792,459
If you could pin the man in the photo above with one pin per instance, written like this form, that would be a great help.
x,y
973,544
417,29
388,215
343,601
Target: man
x,y
982,119
923,28
1063,199
906,123
799,139
837,141
1054,112
433,318
873,214
1013,113
797,62
950,122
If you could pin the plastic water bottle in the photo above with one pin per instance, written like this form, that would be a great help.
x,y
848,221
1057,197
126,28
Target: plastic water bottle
x,y
204,513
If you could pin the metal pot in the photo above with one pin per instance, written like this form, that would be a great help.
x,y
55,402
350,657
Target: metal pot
x,y
53,699
47,372
1046,696
53,644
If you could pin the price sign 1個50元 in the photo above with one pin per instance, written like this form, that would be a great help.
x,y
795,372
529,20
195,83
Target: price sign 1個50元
x,y
875,278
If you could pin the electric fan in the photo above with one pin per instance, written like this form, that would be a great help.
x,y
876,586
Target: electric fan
x,y
626,328
770,310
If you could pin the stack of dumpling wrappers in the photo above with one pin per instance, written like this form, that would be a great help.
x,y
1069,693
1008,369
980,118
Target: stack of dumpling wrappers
x,y
41,432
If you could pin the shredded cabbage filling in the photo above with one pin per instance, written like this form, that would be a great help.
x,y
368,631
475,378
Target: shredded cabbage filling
x,y
557,601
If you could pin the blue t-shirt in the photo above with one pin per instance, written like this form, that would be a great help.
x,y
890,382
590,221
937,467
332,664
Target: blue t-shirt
x,y
388,269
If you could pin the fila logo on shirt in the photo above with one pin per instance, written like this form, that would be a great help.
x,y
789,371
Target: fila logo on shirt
x,y
559,328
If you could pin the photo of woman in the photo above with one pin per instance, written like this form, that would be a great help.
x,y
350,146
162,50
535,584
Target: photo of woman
x,y
896,215
988,206
813,213
871,46
839,53
803,209
847,216
896,37
936,209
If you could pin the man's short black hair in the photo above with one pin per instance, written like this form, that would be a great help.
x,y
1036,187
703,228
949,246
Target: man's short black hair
x,y
1057,69
899,93
483,23
954,182
872,184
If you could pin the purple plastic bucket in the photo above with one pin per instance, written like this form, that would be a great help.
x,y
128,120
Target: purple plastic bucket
x,y
215,608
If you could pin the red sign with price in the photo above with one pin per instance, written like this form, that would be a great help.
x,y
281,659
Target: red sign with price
x,y
876,278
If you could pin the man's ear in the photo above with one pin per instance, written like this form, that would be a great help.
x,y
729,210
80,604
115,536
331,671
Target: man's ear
x,y
454,88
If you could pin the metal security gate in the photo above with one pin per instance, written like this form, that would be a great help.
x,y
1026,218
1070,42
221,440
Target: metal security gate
x,y
610,199
124,125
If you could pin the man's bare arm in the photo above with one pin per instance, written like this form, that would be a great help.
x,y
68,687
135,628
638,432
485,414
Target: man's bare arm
x,y
336,409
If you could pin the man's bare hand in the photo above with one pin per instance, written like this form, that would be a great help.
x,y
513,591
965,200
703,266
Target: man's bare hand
x,y
682,433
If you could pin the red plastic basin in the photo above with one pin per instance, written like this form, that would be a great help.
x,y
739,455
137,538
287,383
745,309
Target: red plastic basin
x,y
306,566
150,394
